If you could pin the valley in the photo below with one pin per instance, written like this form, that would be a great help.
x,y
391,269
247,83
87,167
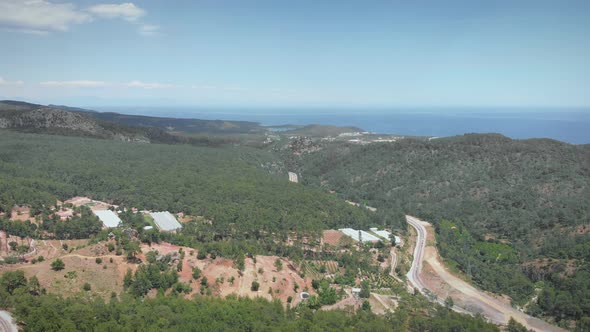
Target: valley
x,y
271,215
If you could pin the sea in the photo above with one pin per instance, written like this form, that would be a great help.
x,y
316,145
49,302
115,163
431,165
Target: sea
x,y
567,125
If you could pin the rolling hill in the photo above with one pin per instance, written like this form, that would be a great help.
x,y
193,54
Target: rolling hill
x,y
71,121
509,214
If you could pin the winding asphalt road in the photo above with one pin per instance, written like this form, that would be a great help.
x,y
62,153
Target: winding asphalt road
x,y
493,309
414,274
6,322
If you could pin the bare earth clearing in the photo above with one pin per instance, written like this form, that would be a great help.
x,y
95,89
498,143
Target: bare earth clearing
x,y
429,272
219,271
107,277
80,267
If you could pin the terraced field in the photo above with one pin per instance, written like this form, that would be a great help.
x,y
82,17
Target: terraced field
x,y
313,269
382,280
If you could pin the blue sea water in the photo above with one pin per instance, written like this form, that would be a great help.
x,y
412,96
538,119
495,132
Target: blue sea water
x,y
569,125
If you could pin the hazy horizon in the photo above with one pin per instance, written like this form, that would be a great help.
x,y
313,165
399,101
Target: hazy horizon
x,y
564,125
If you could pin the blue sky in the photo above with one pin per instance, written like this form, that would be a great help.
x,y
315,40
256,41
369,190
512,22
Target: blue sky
x,y
296,53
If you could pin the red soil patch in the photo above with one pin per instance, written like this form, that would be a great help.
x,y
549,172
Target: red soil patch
x,y
219,271
79,269
92,204
106,280
332,237
21,213
78,201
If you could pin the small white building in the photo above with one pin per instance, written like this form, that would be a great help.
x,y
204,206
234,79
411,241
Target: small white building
x,y
165,221
356,291
108,218
381,233
357,235
293,177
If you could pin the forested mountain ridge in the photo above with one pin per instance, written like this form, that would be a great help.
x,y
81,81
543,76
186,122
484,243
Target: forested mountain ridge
x,y
27,117
181,125
477,173
521,199
69,121
9,108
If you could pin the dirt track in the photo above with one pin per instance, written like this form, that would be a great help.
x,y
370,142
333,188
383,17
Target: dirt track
x,y
430,273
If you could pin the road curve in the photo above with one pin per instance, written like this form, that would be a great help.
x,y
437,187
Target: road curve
x,y
414,274
480,300
6,322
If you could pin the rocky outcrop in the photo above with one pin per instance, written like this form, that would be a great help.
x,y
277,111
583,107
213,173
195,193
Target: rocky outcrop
x,y
53,120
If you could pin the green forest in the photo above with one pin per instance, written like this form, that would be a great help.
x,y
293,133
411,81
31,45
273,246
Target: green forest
x,y
519,200
505,211
224,184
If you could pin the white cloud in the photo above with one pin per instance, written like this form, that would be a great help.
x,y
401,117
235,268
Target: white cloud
x,y
100,84
203,87
75,84
42,17
39,16
149,30
143,85
127,11
220,88
4,82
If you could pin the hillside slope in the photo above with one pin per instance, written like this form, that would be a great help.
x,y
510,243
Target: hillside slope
x,y
27,117
69,121
517,207
181,125
222,184
10,108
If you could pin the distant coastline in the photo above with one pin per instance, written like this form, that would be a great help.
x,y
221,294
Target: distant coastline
x,y
570,125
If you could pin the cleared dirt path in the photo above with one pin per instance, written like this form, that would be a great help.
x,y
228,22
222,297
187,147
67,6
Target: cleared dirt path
x,y
467,297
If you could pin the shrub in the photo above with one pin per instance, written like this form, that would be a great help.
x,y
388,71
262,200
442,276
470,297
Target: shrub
x,y
279,264
10,260
255,286
86,287
58,265
98,260
196,273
